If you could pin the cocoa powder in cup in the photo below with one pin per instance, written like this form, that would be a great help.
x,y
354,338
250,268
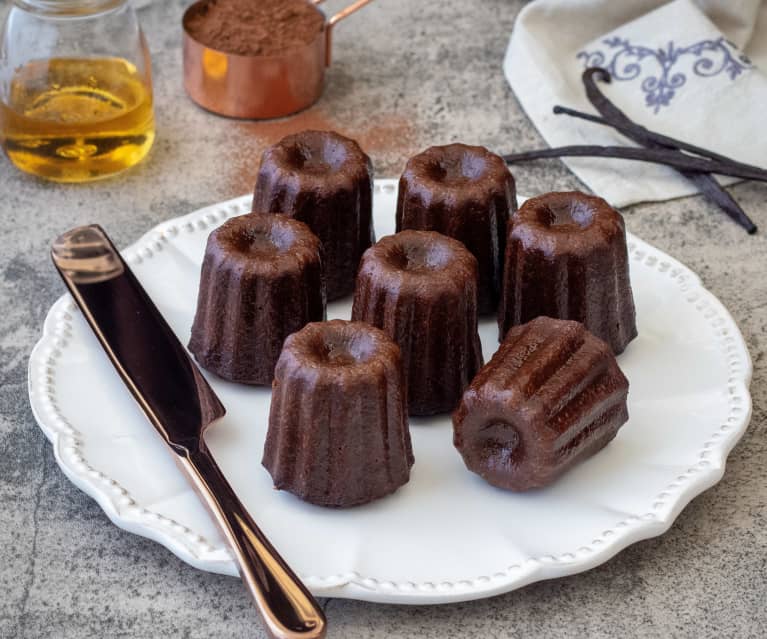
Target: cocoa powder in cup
x,y
255,28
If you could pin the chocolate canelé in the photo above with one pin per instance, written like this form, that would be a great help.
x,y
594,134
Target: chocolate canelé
x,y
566,257
261,280
325,180
338,432
550,397
467,193
420,287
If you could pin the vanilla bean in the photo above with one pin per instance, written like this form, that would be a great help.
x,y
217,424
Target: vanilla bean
x,y
582,115
602,104
710,188
705,182
674,159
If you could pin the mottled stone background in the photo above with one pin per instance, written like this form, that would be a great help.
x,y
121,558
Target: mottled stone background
x,y
407,74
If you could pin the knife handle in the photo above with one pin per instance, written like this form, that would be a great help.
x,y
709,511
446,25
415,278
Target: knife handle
x,y
288,609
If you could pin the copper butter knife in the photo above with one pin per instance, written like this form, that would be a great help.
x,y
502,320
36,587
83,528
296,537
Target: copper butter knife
x,y
180,405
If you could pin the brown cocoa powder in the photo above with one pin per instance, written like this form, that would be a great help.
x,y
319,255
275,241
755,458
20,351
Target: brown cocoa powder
x,y
388,138
255,27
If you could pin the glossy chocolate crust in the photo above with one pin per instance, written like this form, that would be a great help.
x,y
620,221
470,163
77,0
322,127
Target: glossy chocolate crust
x,y
566,257
550,397
261,281
420,287
325,180
467,193
338,433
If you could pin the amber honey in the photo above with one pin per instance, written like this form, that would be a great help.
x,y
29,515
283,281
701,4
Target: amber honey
x,y
75,120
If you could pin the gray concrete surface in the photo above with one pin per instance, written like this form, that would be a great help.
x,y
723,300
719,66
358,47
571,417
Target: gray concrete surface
x,y
406,74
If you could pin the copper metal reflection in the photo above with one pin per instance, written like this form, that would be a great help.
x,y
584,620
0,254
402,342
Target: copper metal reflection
x,y
85,256
180,404
259,87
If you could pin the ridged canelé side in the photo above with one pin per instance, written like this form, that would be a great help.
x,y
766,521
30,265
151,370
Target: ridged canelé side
x,y
566,257
338,433
550,397
326,181
261,280
420,287
467,193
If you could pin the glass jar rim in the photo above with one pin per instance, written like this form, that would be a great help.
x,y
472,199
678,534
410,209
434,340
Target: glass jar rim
x,y
69,8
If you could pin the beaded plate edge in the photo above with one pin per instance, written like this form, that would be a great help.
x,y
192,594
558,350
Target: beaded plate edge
x,y
124,511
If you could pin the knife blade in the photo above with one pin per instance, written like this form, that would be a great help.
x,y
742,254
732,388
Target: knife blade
x,y
180,404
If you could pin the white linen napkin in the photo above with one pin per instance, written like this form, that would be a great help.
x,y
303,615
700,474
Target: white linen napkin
x,y
678,67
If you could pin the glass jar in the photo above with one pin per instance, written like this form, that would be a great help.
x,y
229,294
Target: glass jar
x,y
75,88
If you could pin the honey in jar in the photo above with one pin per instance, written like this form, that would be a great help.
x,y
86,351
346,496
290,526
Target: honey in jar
x,y
73,120
75,88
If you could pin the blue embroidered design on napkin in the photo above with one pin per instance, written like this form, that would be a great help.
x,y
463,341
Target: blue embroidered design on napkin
x,y
626,61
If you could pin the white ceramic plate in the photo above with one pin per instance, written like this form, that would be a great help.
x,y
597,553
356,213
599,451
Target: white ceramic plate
x,y
445,536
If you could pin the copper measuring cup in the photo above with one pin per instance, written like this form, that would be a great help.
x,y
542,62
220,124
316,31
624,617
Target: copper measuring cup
x,y
259,87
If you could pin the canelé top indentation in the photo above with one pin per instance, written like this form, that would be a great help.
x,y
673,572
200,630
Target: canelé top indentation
x,y
263,240
498,445
419,258
318,154
565,214
456,167
315,156
334,349
263,243
339,344
568,221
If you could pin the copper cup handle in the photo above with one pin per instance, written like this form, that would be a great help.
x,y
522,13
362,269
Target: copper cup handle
x,y
343,13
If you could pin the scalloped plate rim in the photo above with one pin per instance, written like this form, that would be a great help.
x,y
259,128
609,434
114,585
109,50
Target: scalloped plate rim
x,y
356,586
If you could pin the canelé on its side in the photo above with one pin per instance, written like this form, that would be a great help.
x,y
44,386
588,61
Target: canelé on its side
x,y
550,397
